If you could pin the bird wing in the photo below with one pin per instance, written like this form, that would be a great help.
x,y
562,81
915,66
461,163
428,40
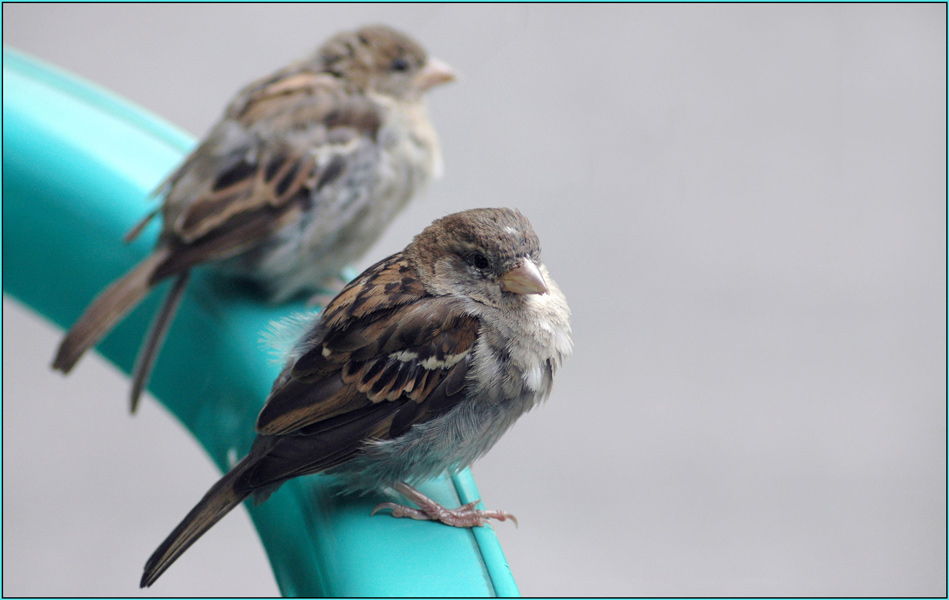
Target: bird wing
x,y
282,139
385,357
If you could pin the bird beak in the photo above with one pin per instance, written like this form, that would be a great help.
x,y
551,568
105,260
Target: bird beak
x,y
435,72
524,278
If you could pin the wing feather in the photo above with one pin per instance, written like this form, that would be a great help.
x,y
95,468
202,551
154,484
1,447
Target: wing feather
x,y
402,351
281,141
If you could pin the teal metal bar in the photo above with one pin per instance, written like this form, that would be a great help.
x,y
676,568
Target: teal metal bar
x,y
78,165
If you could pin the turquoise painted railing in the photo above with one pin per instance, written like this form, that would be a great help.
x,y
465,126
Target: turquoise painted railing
x,y
78,164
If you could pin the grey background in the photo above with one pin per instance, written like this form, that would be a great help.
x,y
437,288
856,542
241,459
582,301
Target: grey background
x,y
746,207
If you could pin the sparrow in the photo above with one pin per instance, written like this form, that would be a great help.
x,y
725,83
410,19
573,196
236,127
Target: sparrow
x,y
416,368
302,174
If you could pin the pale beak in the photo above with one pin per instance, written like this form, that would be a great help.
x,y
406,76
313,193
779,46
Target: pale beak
x,y
524,278
435,72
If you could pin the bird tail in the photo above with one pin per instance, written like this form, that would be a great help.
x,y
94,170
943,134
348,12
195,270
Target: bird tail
x,y
109,307
156,336
220,500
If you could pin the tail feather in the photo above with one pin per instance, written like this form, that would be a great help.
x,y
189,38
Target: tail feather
x,y
156,336
109,307
219,501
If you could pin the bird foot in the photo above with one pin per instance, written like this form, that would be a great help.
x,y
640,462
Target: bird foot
x,y
429,510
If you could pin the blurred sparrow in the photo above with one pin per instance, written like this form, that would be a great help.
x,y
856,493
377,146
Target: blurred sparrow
x,y
299,178
417,367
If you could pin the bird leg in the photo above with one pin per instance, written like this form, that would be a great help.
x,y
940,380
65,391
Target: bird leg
x,y
429,510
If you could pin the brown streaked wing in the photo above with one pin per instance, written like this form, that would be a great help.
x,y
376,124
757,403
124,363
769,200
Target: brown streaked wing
x,y
320,446
242,232
280,176
287,119
298,404
389,283
401,353
333,441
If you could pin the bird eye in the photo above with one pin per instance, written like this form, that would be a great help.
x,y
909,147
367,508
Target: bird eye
x,y
400,64
478,261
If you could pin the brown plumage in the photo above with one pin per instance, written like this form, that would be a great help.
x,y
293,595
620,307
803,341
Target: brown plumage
x,y
293,183
417,367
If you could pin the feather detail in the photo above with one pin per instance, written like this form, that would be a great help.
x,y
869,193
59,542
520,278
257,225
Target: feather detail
x,y
381,340
282,337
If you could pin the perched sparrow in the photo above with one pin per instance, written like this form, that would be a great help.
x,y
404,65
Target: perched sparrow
x,y
298,179
417,367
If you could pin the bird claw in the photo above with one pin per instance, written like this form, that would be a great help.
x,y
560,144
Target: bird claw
x,y
429,510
